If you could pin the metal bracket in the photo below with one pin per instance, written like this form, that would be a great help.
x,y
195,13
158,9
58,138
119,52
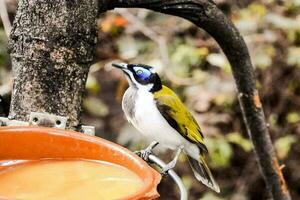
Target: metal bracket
x,y
89,130
10,122
183,193
151,158
46,120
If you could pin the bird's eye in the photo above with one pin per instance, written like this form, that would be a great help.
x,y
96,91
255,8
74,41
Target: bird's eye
x,y
139,72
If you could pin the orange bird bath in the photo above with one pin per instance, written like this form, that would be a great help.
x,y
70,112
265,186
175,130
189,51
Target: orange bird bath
x,y
50,148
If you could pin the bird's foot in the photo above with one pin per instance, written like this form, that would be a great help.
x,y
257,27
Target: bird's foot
x,y
172,164
145,153
168,167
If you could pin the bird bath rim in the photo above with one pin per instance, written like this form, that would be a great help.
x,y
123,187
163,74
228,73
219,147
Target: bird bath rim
x,y
30,143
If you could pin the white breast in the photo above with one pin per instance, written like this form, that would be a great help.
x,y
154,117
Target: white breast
x,y
149,121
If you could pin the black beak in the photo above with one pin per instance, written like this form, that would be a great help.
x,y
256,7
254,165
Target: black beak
x,y
120,65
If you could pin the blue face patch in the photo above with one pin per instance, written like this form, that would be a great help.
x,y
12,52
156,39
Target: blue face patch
x,y
142,73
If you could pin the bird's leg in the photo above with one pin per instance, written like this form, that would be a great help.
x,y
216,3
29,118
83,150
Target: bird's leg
x,y
144,154
172,164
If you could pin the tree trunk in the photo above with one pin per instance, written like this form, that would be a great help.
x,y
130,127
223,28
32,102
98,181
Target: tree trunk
x,y
51,46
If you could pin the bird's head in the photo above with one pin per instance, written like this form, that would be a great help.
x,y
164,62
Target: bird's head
x,y
140,76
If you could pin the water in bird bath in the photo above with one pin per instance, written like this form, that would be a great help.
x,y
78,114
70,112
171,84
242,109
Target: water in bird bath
x,y
66,179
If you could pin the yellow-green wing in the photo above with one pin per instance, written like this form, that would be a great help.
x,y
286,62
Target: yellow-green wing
x,y
174,111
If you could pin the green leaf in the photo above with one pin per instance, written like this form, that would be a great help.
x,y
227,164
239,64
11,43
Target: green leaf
x,y
96,107
239,140
283,145
293,117
220,151
3,48
92,84
294,56
187,182
224,99
211,196
186,56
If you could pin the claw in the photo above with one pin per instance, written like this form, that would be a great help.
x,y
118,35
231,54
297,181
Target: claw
x,y
172,164
144,154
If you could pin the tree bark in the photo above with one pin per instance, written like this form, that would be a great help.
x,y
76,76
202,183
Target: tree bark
x,y
51,46
206,15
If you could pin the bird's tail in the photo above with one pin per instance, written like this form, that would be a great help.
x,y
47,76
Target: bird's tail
x,y
202,173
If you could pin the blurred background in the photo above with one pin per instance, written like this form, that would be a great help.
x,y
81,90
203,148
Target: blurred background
x,y
190,62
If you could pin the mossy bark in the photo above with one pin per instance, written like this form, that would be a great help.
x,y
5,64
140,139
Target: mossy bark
x,y
51,46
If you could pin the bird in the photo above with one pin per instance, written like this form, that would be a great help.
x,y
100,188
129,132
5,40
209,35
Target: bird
x,y
159,114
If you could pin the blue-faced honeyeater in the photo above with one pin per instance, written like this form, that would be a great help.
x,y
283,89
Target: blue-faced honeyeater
x,y
158,113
